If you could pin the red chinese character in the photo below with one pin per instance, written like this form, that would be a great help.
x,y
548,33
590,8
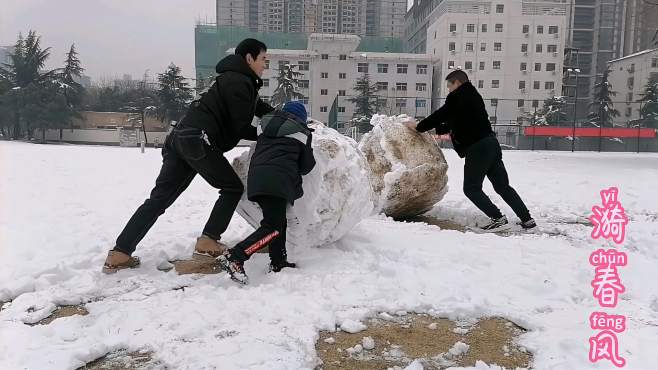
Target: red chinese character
x,y
610,220
604,346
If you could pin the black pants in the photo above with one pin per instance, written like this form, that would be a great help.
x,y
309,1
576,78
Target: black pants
x,y
272,232
485,158
185,154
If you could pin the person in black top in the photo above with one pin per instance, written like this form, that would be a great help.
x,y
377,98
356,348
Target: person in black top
x,y
213,125
465,118
283,154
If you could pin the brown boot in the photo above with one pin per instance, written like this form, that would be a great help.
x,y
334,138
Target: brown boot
x,y
116,261
206,246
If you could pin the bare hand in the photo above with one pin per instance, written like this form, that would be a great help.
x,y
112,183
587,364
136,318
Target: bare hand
x,y
411,124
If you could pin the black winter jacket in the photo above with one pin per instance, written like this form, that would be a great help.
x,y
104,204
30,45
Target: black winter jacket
x,y
227,109
463,116
283,154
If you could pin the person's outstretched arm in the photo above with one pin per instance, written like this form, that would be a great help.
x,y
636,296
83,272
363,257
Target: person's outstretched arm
x,y
438,119
307,160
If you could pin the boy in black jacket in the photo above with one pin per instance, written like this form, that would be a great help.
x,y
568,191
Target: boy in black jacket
x,y
283,154
465,117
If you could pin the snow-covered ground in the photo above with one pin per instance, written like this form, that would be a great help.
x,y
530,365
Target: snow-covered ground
x,y
62,206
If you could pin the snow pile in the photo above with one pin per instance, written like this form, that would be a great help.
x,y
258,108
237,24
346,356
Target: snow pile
x,y
408,170
337,193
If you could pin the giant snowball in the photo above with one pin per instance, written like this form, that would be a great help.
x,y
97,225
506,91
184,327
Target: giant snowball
x,y
337,193
408,169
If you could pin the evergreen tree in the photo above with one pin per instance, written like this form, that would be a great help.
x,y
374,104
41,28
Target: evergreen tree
x,y
287,86
174,94
649,110
603,112
366,103
552,113
72,70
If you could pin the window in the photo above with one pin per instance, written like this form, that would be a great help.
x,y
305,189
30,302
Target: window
x,y
382,85
535,103
537,67
549,85
402,68
494,102
421,69
536,84
521,85
481,84
551,48
526,28
453,27
451,64
303,84
538,48
550,67
498,46
524,48
495,84
362,67
421,87
452,46
341,109
483,46
304,101
303,65
468,65
469,46
654,63
342,76
629,111
421,103
484,28
499,27
342,57
481,66
266,82
401,102
540,29
630,82
382,102
552,30
282,63
524,66
401,86
267,64
324,75
382,68
629,97
496,64
470,28
500,8
323,109
341,92
520,103
324,92
325,56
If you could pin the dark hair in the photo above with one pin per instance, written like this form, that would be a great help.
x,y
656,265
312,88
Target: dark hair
x,y
457,75
252,47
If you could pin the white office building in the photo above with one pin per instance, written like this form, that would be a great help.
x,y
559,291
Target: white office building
x,y
332,64
628,77
512,50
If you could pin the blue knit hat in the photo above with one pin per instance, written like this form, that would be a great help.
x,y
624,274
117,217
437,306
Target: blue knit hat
x,y
297,109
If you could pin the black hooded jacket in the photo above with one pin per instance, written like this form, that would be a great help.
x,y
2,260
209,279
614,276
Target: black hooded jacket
x,y
463,115
227,109
283,154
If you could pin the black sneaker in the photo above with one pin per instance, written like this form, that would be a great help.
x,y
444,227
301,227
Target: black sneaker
x,y
496,224
233,267
276,267
527,224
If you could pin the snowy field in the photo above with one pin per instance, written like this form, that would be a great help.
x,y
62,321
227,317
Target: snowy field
x,y
61,207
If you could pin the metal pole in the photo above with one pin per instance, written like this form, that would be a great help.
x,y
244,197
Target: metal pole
x,y
639,123
534,123
575,113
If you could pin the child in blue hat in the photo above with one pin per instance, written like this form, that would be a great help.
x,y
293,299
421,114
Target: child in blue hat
x,y
283,154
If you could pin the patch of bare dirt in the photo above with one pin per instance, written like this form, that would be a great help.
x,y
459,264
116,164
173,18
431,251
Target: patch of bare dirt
x,y
397,341
124,360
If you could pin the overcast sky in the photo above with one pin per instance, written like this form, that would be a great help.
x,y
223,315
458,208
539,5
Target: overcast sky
x,y
113,37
